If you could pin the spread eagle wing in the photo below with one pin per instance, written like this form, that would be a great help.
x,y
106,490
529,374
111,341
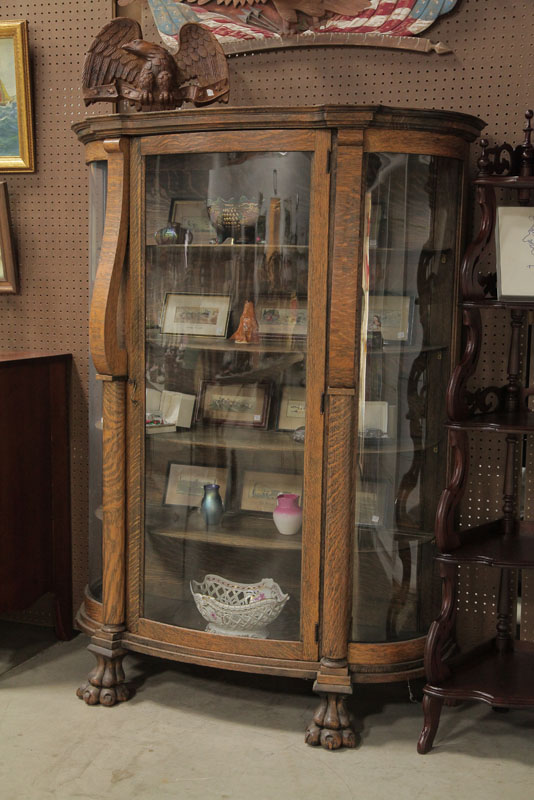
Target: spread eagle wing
x,y
106,60
202,65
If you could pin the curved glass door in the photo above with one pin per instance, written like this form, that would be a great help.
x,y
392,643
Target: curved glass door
x,y
226,343
408,307
97,211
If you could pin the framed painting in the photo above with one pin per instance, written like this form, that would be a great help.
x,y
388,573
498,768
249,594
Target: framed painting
x,y
16,130
8,266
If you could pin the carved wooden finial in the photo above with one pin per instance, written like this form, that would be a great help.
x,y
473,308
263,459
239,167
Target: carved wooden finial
x,y
483,162
527,150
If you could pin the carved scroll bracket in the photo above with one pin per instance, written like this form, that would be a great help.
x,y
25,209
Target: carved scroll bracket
x,y
474,285
109,357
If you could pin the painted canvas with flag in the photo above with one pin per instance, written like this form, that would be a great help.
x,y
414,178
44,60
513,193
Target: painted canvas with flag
x,y
235,20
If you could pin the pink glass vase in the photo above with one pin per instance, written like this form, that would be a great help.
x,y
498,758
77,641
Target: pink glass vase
x,y
287,515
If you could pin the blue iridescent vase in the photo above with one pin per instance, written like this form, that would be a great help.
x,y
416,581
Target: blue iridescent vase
x,y
211,507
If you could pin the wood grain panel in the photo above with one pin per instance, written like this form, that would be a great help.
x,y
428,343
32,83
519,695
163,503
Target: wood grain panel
x,y
389,653
211,642
346,275
339,524
114,503
435,144
227,141
315,378
221,659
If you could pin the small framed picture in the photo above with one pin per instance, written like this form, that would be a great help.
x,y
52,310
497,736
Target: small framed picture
x,y
514,244
282,317
9,283
373,504
16,126
234,403
292,413
195,314
391,315
185,483
260,489
192,215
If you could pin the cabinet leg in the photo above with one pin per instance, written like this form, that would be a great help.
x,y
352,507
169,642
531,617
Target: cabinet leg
x,y
331,726
106,681
431,710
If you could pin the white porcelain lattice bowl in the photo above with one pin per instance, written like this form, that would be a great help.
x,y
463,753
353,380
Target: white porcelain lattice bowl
x,y
238,609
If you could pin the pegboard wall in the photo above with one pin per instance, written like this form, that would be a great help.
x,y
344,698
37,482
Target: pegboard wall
x,y
486,75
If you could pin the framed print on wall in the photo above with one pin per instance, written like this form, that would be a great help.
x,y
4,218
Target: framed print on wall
x,y
16,130
8,267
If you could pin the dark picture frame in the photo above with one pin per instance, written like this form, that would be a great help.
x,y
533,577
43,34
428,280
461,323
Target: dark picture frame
x,y
242,404
9,280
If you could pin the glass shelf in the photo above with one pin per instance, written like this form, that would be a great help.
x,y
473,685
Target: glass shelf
x,y
236,531
272,441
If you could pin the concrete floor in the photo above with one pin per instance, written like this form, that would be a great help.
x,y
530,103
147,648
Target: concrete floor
x,y
195,733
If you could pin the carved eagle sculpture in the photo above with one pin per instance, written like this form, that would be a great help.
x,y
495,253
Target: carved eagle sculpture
x,y
120,65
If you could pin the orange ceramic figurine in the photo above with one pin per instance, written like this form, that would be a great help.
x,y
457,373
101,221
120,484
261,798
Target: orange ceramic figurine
x,y
247,330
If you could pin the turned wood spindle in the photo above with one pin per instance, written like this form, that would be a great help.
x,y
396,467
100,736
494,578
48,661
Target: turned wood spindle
x,y
513,389
503,639
509,485
526,169
483,162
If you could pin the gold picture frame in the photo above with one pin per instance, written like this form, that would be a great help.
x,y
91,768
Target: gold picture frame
x,y
9,283
16,124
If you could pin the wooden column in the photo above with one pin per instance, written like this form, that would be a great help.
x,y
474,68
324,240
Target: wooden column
x,y
331,723
106,681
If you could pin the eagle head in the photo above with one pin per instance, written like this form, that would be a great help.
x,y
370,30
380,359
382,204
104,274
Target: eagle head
x,y
143,49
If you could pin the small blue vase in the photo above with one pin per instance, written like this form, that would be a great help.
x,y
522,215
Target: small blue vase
x,y
211,507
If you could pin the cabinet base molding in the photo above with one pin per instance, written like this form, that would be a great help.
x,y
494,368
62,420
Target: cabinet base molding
x,y
106,683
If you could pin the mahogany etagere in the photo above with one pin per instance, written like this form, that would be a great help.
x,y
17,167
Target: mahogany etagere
x,y
498,671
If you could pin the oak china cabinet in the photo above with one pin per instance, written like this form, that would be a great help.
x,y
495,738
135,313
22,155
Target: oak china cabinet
x,y
272,328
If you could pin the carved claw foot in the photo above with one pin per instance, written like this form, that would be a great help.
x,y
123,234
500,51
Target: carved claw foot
x,y
105,685
331,725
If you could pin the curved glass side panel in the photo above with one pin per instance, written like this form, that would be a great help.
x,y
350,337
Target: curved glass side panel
x,y
410,250
97,210
226,342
